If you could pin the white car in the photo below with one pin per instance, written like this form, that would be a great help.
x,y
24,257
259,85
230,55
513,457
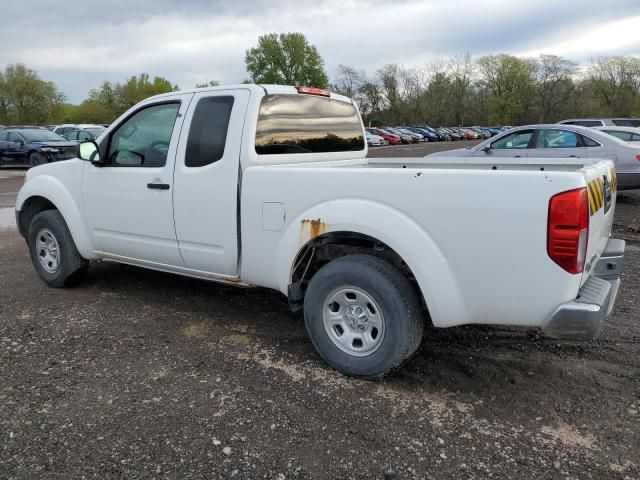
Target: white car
x,y
626,134
559,141
374,140
271,186
64,128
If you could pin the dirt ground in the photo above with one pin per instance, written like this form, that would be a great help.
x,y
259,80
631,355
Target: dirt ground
x,y
140,374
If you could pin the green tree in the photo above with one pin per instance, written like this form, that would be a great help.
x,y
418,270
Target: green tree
x,y
210,83
110,100
91,111
510,81
26,98
286,59
554,86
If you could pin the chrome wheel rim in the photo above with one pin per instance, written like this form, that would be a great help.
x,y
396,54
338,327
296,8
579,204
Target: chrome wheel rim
x,y
48,250
353,321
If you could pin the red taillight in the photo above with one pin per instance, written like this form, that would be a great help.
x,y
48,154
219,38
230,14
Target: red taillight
x,y
638,157
314,91
568,229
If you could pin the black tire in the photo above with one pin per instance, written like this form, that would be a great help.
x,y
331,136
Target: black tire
x,y
396,298
71,266
36,159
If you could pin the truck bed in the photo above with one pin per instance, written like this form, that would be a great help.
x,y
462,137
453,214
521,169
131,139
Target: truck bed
x,y
472,163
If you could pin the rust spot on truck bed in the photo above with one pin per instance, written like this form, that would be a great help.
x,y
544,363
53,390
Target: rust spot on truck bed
x,y
316,227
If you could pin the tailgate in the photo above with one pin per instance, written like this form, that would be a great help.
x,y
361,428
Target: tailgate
x,y
601,187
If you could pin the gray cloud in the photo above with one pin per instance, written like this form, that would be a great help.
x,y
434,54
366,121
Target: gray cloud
x,y
78,44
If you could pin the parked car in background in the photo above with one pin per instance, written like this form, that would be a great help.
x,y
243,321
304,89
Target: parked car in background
x,y
403,136
34,147
557,142
434,131
627,134
601,122
417,137
468,133
375,140
428,136
64,128
444,134
82,134
389,137
455,135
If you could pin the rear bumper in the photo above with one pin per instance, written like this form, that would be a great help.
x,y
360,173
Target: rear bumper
x,y
583,318
628,181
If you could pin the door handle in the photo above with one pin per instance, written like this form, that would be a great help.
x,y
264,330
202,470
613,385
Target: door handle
x,y
516,156
573,156
158,186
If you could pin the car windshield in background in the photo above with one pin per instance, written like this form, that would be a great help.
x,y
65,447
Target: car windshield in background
x,y
307,124
41,136
95,131
626,122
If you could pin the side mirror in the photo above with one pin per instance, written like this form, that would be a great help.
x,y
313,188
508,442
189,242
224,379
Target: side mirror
x,y
486,149
89,151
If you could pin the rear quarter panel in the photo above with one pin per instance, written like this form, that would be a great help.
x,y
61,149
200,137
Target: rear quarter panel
x,y
474,239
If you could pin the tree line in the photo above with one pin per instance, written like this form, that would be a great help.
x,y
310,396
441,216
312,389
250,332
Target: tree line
x,y
497,89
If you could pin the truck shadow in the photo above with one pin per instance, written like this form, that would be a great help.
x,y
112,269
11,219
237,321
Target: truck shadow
x,y
470,361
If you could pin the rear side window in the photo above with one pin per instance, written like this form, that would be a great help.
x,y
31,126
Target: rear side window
x,y
3,136
516,140
626,136
208,132
588,142
626,122
556,139
585,123
307,124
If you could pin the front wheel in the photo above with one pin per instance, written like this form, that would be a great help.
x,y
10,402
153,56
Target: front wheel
x,y
53,251
363,316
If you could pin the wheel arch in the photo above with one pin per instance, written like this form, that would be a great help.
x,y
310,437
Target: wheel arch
x,y
44,192
399,239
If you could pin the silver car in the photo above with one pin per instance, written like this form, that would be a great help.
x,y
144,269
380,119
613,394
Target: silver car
x,y
559,141
627,134
601,122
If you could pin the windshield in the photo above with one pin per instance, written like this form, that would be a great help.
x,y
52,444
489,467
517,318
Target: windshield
x,y
41,136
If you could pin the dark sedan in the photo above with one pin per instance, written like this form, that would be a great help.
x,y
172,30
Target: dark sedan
x,y
32,147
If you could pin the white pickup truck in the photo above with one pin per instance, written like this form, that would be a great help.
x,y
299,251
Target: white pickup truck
x,y
270,186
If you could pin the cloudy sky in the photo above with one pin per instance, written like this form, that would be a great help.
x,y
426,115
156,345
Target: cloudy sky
x,y
79,43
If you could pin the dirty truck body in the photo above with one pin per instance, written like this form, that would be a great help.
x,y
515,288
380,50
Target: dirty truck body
x,y
270,186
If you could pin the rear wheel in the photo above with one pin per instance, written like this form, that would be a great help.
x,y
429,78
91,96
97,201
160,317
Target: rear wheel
x,y
363,316
36,159
53,251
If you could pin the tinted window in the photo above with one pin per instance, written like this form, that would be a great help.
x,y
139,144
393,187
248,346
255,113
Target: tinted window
x,y
143,139
307,124
556,139
73,135
626,136
588,142
3,136
41,136
14,137
84,136
626,122
584,123
635,137
208,131
515,140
